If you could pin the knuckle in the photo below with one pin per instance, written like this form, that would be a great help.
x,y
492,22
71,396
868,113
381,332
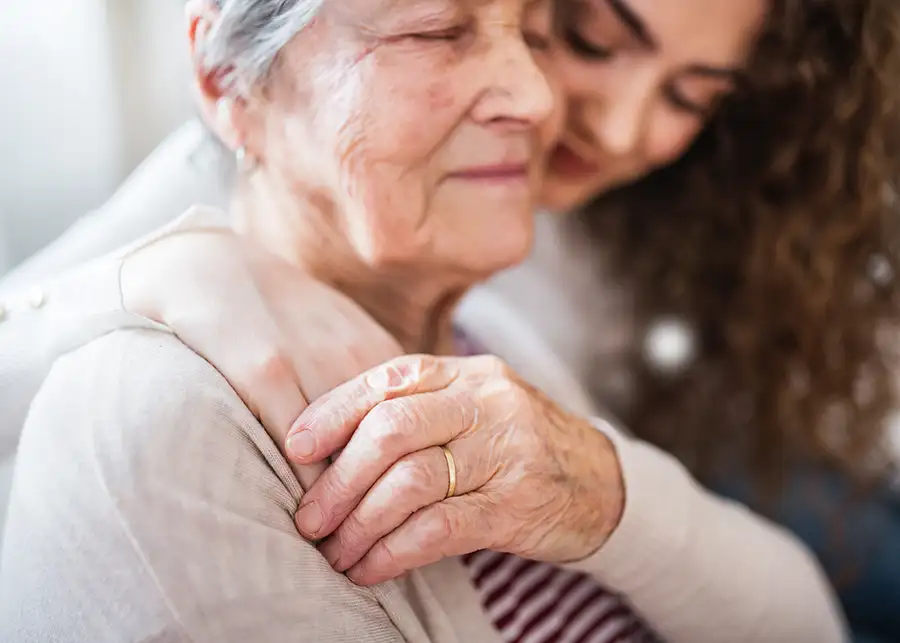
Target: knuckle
x,y
518,398
331,486
351,533
410,369
336,487
391,558
412,474
403,374
413,369
466,410
440,526
415,363
492,365
389,423
385,378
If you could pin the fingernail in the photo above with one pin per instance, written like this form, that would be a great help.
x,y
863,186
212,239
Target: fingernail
x,y
302,444
354,574
309,519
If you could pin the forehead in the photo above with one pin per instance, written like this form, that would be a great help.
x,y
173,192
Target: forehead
x,y
713,32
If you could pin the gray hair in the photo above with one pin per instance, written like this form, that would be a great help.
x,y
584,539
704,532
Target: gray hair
x,y
249,35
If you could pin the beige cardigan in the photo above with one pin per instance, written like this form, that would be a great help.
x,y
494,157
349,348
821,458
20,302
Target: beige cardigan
x,y
132,433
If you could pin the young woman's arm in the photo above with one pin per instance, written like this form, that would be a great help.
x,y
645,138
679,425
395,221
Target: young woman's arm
x,y
161,282
263,345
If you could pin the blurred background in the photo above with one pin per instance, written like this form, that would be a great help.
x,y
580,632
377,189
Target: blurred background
x,y
87,89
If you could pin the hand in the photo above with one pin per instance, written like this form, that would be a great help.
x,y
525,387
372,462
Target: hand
x,y
532,480
278,336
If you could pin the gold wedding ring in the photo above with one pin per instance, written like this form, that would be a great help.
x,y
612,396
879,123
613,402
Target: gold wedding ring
x,y
451,469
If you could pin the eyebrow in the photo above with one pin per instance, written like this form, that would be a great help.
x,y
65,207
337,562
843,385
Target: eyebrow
x,y
634,22
637,27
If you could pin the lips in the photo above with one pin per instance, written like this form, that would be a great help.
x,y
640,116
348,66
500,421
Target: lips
x,y
498,172
565,161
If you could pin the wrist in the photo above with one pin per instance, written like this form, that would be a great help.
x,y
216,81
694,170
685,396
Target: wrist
x,y
591,503
602,488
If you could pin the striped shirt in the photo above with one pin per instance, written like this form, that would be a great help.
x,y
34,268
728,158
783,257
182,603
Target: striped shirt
x,y
536,602
532,602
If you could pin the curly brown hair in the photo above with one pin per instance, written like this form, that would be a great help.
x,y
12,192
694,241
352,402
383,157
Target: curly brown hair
x,y
776,236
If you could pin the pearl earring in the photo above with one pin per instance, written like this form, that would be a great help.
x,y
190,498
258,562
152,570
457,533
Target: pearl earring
x,y
246,162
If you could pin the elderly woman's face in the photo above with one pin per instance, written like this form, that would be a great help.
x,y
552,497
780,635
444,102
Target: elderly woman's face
x,y
417,124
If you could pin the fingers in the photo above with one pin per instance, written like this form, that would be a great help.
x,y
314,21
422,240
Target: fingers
x,y
414,482
393,430
327,424
454,527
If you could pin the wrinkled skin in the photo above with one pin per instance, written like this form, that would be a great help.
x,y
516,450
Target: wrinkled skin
x,y
532,480
627,106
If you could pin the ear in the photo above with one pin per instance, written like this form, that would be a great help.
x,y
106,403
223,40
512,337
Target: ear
x,y
223,111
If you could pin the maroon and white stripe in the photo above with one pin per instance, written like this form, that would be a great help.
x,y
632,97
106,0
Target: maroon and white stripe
x,y
531,602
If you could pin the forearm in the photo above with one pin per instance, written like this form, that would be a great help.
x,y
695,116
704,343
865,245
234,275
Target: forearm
x,y
700,568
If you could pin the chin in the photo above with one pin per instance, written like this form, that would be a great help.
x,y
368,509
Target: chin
x,y
501,249
563,194
561,197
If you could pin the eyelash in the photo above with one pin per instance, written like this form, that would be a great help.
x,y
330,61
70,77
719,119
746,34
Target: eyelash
x,y
581,47
533,40
451,34
536,41
679,102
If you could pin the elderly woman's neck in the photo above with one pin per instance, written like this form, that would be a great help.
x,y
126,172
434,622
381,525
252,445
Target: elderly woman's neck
x,y
414,305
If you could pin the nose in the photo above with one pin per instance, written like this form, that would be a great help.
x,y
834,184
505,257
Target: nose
x,y
619,123
517,94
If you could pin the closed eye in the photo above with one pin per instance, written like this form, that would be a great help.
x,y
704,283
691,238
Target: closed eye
x,y
679,101
450,34
581,47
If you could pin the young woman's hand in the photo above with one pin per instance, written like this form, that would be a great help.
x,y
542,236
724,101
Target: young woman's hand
x,y
278,336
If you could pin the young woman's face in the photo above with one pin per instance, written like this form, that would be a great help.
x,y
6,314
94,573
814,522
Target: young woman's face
x,y
640,78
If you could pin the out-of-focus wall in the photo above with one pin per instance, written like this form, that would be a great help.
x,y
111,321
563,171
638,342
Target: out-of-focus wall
x,y
87,89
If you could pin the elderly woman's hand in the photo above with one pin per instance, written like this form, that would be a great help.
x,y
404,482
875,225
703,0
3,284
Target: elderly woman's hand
x,y
530,479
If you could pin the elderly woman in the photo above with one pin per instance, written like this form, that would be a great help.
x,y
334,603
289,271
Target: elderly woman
x,y
389,150
699,569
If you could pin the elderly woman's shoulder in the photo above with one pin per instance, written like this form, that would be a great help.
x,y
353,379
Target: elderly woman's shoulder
x,y
139,403
154,504
139,374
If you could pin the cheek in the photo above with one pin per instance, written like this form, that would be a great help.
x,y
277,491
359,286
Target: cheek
x,y
561,194
387,157
575,79
551,129
398,114
670,137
